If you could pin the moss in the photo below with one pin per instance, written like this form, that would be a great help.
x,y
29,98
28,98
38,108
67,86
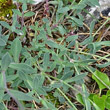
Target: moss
x,y
6,7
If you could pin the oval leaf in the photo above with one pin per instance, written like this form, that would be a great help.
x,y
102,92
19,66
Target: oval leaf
x,y
21,96
22,67
101,79
29,14
16,49
6,60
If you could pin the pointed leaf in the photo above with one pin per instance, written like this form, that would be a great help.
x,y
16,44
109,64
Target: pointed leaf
x,y
6,60
2,42
5,24
1,81
92,27
21,96
38,81
16,49
80,98
76,78
22,67
29,14
52,44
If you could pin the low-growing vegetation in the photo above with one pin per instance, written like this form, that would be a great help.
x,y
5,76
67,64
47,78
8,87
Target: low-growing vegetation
x,y
50,59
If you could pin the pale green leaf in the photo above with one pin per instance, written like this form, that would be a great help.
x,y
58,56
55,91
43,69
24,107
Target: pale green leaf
x,y
21,96
22,67
76,78
6,60
29,14
2,42
5,24
16,49
52,44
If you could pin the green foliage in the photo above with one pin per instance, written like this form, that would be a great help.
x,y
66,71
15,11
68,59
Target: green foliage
x,y
103,82
6,60
42,70
16,48
102,79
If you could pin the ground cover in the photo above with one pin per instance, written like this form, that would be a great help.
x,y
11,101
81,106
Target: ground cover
x,y
50,58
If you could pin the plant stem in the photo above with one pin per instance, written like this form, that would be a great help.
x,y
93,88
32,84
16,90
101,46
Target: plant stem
x,y
8,92
74,108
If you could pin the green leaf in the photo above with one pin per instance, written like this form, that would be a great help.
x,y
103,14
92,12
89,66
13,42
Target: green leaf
x,y
103,65
87,41
22,67
48,105
11,77
86,100
108,93
53,2
71,44
1,95
22,75
107,103
24,7
94,2
67,75
63,9
46,60
105,43
79,6
16,11
52,44
38,81
3,106
51,67
76,20
92,27
1,81
101,79
18,32
16,48
96,107
29,14
80,98
41,91
76,78
5,24
61,29
6,60
21,96
100,101
0,31
56,84
2,42
71,38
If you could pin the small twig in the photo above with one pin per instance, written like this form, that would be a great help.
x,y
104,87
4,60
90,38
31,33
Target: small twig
x,y
105,33
22,20
85,33
107,19
34,102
